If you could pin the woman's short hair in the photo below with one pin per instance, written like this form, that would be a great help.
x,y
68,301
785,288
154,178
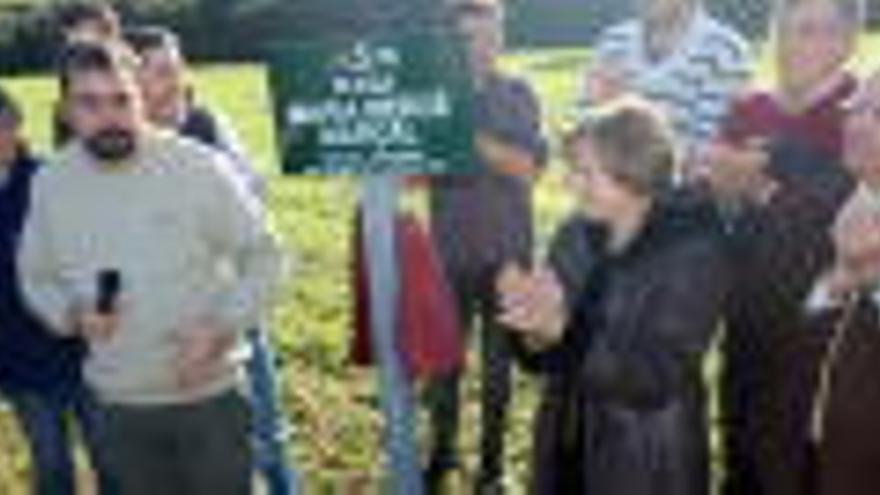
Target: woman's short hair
x,y
635,143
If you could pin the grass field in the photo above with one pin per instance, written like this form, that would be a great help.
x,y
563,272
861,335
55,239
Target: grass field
x,y
333,406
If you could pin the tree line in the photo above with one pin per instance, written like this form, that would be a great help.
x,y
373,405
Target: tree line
x,y
232,30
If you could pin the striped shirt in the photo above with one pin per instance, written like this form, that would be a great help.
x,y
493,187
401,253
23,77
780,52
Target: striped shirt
x,y
695,83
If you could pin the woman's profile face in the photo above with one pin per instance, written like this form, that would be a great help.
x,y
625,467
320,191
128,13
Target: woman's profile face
x,y
600,195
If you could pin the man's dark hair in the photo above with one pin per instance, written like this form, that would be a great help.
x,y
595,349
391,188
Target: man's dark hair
x,y
93,57
9,108
72,15
142,39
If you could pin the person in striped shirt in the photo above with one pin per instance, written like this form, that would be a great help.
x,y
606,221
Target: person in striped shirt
x,y
678,57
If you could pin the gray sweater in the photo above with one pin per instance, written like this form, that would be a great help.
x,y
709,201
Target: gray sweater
x,y
187,241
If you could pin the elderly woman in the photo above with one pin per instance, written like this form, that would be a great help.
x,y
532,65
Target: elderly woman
x,y
620,334
847,404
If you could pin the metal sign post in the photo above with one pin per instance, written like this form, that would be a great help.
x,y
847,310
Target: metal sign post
x,y
380,246
382,107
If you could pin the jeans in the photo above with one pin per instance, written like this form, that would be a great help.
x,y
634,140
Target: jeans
x,y
476,304
46,420
269,427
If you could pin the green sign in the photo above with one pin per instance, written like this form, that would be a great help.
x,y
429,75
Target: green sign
x,y
387,105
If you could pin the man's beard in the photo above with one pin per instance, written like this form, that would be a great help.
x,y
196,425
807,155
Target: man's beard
x,y
111,145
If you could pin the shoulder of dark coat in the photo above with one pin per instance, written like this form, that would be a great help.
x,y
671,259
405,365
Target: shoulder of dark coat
x,y
25,169
201,124
575,249
686,222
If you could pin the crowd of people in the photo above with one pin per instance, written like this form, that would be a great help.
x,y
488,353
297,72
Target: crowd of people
x,y
711,211
137,266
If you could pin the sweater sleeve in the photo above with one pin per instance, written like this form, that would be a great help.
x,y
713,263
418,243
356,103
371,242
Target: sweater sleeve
x,y
237,229
41,273
243,168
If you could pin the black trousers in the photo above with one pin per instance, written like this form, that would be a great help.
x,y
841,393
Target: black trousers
x,y
194,449
477,302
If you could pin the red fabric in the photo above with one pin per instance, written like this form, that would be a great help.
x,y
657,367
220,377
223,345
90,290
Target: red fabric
x,y
761,115
429,335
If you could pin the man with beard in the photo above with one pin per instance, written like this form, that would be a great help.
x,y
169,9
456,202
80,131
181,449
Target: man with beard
x,y
90,22
141,244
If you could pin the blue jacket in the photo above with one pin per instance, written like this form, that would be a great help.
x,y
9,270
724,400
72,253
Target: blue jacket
x,y
31,358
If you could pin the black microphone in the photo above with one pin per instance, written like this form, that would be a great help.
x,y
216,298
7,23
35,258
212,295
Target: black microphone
x,y
109,286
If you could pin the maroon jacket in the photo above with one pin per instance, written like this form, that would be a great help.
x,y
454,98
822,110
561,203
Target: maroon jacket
x,y
821,126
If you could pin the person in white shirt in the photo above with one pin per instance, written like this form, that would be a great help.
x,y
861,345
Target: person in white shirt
x,y
140,242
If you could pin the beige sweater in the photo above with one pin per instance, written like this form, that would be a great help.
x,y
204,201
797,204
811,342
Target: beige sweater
x,y
186,240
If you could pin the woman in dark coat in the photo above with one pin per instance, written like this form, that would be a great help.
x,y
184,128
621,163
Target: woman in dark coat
x,y
619,321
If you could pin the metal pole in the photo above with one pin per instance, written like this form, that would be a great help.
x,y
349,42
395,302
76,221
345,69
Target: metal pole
x,y
380,246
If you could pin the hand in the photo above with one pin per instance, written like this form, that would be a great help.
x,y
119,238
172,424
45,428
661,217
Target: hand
x,y
96,328
533,305
506,158
203,350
